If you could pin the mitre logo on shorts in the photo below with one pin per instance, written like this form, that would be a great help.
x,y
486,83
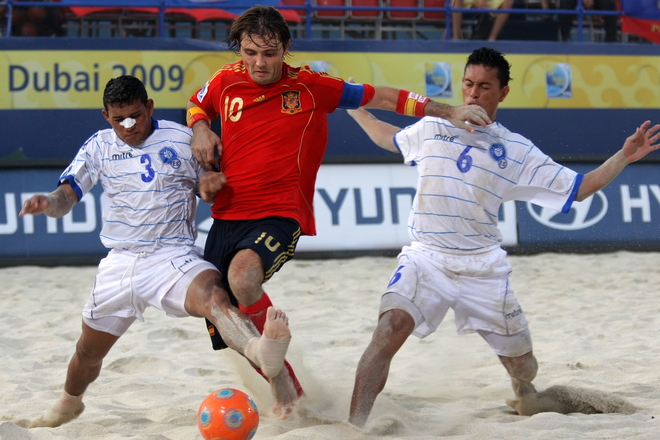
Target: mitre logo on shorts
x,y
291,102
513,314
183,263
581,215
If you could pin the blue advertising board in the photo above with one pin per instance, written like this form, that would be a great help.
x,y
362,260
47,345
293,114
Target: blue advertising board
x,y
624,215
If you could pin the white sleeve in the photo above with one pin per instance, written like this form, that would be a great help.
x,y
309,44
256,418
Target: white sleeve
x,y
83,173
545,183
409,142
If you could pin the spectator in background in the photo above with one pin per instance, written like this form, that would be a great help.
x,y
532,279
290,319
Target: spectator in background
x,y
609,21
37,21
545,5
489,25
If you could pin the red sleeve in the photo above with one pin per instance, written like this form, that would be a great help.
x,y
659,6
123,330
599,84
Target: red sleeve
x,y
204,97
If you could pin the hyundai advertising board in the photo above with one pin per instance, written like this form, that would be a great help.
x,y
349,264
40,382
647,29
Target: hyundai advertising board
x,y
626,212
358,208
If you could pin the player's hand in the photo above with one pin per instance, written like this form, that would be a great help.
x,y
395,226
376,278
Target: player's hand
x,y
210,185
36,204
469,113
642,142
204,145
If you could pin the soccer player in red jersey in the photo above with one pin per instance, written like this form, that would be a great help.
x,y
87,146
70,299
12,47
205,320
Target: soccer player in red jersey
x,y
274,133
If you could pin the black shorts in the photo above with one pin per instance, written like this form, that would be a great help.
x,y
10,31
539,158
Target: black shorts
x,y
274,239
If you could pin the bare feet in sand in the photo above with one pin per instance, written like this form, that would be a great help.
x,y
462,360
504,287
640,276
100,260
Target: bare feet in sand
x,y
267,352
566,400
284,393
63,411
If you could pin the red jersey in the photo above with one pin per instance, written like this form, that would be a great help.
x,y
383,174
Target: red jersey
x,y
274,137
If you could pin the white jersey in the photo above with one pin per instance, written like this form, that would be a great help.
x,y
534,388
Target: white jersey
x,y
465,177
149,198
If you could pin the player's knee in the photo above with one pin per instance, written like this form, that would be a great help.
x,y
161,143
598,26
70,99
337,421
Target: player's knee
x,y
205,291
246,286
523,367
89,354
219,297
246,276
394,327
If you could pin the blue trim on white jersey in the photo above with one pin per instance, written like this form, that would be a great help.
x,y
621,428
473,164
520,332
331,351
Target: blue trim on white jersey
x,y
351,96
574,192
74,186
396,144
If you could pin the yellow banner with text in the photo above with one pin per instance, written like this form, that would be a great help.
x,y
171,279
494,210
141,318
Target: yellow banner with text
x,y
76,79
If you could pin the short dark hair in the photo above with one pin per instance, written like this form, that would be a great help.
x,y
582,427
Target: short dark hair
x,y
124,90
262,21
488,57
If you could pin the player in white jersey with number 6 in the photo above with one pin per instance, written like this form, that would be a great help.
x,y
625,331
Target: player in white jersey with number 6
x,y
150,180
455,259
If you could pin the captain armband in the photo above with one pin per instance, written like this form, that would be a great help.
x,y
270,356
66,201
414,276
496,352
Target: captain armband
x,y
411,104
195,114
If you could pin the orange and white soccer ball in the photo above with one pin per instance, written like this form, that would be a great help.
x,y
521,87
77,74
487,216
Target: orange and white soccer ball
x,y
228,414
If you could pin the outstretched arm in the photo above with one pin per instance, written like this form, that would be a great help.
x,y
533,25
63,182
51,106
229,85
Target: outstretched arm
x,y
56,204
381,133
636,146
205,142
387,98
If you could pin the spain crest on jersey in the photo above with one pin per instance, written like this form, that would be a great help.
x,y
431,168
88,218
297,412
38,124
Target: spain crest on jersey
x,y
291,102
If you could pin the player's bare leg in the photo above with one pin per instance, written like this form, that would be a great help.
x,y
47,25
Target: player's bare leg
x,y
265,352
522,370
67,408
268,350
84,368
394,327
284,393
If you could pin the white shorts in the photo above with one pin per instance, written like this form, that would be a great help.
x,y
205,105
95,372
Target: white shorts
x,y
127,283
475,286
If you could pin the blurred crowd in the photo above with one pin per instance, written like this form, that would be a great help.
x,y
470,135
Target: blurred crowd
x,y
35,21
45,21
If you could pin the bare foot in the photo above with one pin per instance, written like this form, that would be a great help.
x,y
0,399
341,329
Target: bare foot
x,y
57,416
268,351
284,393
277,325
522,388
566,400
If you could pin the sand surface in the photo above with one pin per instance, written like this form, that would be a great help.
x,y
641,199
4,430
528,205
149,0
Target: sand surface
x,y
595,322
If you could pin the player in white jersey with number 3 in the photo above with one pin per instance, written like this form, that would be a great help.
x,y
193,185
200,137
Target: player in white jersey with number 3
x,y
150,180
455,259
